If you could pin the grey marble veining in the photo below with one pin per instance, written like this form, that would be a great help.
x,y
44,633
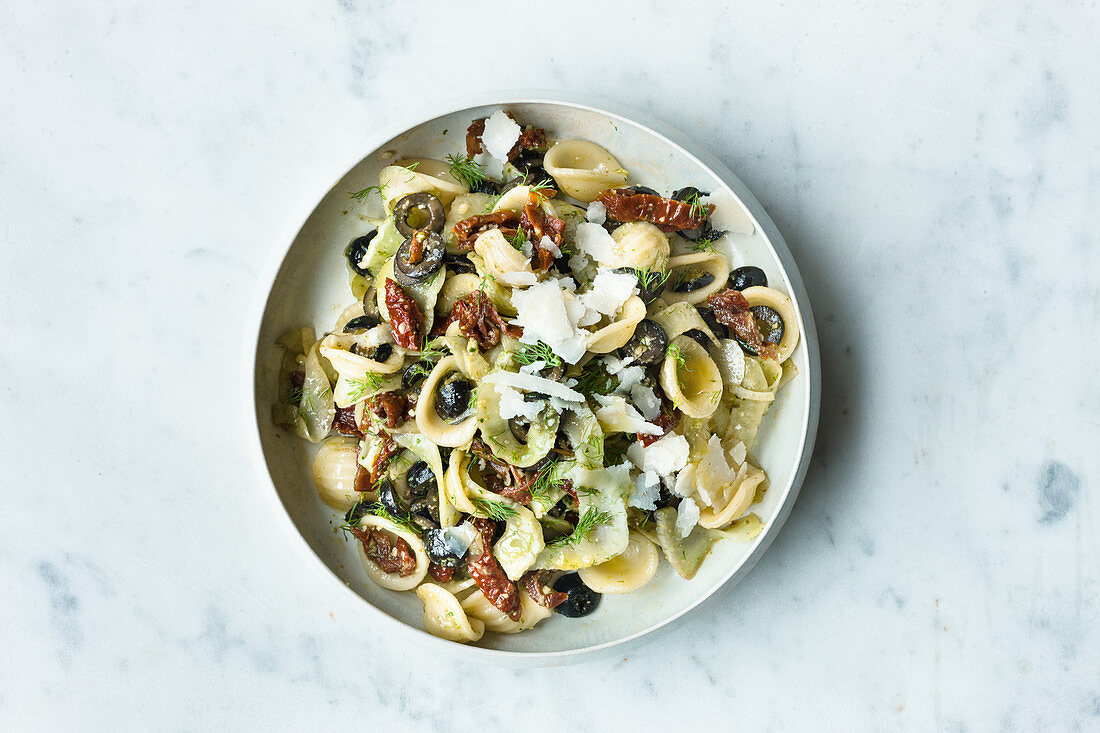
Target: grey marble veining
x,y
935,170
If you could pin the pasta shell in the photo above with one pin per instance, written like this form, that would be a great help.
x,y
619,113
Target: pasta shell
x,y
626,572
693,384
334,467
582,169
444,616
781,304
394,582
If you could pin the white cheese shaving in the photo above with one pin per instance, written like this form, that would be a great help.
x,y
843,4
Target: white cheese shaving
x,y
534,368
629,378
491,167
531,383
518,279
594,241
616,415
713,474
597,213
541,311
460,538
609,290
614,364
687,516
665,456
548,244
649,404
500,136
647,490
578,263
512,404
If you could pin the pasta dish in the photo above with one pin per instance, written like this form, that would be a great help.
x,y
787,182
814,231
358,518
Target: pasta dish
x,y
549,378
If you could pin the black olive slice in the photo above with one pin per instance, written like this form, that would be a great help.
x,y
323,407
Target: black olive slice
x,y
419,257
439,550
425,511
704,230
648,345
718,329
390,500
769,322
357,250
580,599
458,264
643,189
415,374
358,510
361,324
452,398
700,337
696,281
418,212
421,479
747,277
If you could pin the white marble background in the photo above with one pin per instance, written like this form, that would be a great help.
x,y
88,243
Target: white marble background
x,y
934,168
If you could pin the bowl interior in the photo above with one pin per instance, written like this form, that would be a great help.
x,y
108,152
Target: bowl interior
x,y
311,288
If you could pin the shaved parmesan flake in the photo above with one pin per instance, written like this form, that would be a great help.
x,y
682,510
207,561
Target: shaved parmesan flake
x,y
649,404
647,490
517,279
548,244
531,383
542,312
597,213
609,290
594,241
665,456
617,416
512,404
500,136
491,167
629,378
687,516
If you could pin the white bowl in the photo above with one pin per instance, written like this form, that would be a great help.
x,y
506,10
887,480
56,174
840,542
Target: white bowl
x,y
310,287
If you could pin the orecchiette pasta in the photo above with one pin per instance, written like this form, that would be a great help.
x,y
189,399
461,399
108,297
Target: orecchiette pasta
x,y
626,572
582,169
334,467
445,617
543,385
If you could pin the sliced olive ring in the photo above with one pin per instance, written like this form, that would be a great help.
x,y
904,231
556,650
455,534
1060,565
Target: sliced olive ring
x,y
696,281
418,212
390,500
458,264
420,478
648,345
357,250
747,277
453,397
769,322
418,258
360,324
718,329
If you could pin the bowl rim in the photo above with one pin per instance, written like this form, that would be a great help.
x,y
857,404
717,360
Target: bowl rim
x,y
299,215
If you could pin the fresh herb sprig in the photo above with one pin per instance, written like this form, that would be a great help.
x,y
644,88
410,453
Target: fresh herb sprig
x,y
699,210
361,509
546,483
365,386
588,522
538,351
467,170
594,379
495,510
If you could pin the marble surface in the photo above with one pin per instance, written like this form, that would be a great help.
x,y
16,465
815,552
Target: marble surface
x,y
934,169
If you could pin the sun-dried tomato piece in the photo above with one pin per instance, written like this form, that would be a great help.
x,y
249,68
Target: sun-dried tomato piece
x,y
390,553
731,309
392,406
388,450
344,422
667,214
536,224
478,320
536,585
487,573
468,230
406,322
666,421
439,573
473,137
362,479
